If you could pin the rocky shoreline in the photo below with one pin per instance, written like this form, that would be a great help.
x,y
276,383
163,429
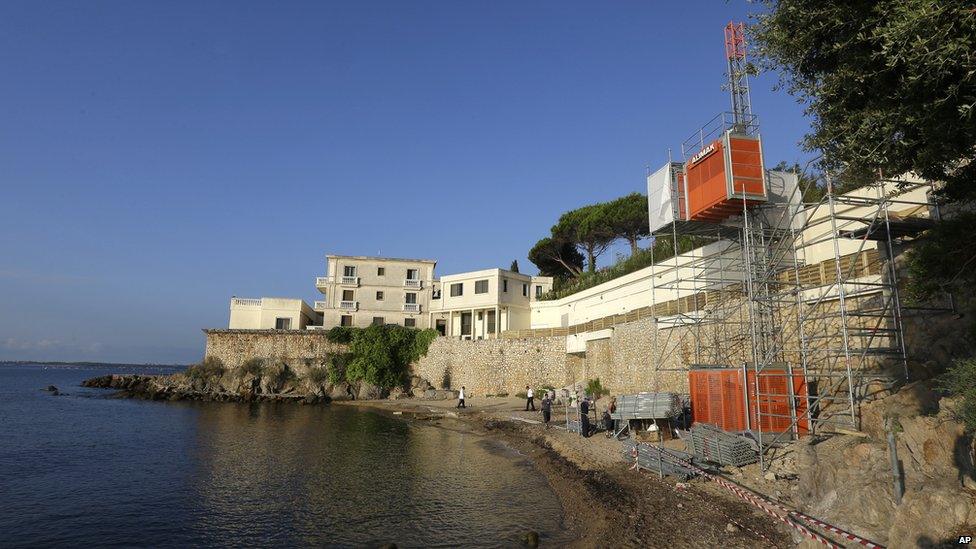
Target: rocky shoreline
x,y
255,389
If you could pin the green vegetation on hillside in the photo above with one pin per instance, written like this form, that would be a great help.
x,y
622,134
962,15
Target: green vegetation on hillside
x,y
960,381
662,250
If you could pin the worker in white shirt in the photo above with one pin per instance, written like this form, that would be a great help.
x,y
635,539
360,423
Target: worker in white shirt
x,y
529,399
460,403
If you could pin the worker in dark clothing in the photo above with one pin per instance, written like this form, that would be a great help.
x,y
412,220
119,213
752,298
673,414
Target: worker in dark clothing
x,y
584,409
546,410
608,423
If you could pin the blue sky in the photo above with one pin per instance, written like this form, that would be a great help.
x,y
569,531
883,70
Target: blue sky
x,y
158,158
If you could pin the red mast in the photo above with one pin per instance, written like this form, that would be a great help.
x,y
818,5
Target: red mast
x,y
735,53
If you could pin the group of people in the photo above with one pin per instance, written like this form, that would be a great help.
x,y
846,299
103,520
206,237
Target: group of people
x,y
546,408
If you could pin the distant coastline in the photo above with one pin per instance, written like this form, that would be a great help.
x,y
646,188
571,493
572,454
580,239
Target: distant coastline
x,y
85,363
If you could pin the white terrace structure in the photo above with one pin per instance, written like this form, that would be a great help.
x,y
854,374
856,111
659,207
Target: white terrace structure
x,y
270,313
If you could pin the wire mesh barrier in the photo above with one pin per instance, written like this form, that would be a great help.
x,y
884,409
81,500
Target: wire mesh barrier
x,y
657,459
715,445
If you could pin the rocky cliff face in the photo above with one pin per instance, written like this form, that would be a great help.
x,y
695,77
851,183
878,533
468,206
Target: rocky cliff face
x,y
236,386
848,480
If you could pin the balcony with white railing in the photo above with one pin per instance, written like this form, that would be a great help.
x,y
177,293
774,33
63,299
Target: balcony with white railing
x,y
320,305
321,281
413,284
350,281
349,305
411,307
245,302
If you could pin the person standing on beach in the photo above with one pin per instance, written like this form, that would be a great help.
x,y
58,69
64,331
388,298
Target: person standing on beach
x,y
546,409
584,410
460,403
529,399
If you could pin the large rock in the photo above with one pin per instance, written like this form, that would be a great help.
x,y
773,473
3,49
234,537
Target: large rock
x,y
367,391
913,400
340,391
848,481
932,516
417,382
398,393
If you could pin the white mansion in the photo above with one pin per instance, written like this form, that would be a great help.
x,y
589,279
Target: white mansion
x,y
363,291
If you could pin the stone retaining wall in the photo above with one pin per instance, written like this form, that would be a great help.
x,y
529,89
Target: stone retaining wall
x,y
298,348
494,366
623,362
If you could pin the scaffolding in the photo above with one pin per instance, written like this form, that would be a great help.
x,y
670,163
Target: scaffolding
x,y
809,287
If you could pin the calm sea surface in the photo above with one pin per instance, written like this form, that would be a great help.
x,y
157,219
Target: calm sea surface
x,y
86,470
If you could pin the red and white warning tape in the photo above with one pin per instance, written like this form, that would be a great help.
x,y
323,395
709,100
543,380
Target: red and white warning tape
x,y
791,518
831,528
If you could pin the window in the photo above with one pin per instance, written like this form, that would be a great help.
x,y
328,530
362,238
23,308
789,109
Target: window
x,y
282,324
436,294
377,321
381,271
410,322
481,286
413,274
411,297
491,322
525,290
538,292
379,296
505,285
345,320
349,270
457,289
348,295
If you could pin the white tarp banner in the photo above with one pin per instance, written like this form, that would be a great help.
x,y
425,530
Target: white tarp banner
x,y
660,205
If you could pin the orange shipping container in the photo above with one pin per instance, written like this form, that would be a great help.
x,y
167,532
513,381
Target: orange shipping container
x,y
721,176
726,398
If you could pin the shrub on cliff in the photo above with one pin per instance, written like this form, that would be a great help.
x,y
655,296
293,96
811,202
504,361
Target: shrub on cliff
x,y
337,368
960,381
595,389
210,368
317,375
253,366
279,373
